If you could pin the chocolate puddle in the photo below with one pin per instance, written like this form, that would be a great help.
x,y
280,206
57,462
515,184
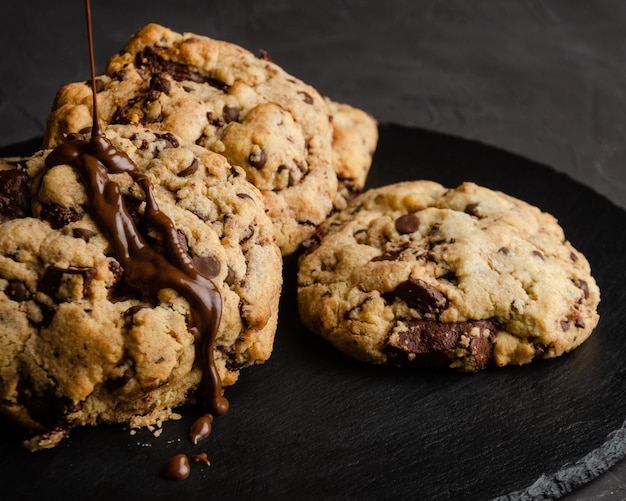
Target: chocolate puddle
x,y
145,269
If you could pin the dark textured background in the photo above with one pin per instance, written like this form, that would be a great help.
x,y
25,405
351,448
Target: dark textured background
x,y
543,79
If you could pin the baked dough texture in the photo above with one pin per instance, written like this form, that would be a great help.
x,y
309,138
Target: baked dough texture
x,y
220,96
79,346
466,278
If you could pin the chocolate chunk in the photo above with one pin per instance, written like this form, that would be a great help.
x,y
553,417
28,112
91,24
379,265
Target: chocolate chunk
x,y
247,234
230,277
59,216
434,344
16,290
214,121
121,114
169,139
314,241
306,97
188,171
83,233
14,195
156,64
160,84
99,85
209,266
257,159
231,114
471,209
388,256
582,285
419,295
408,223
52,277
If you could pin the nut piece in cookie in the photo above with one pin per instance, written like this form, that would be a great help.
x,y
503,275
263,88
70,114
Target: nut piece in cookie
x,y
80,344
414,273
218,95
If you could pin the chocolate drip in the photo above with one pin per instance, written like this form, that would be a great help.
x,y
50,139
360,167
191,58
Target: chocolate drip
x,y
200,429
145,269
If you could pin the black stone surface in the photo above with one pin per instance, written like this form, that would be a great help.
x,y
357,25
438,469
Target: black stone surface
x,y
542,80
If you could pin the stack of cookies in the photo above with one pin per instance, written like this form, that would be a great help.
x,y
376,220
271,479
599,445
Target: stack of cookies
x,y
251,165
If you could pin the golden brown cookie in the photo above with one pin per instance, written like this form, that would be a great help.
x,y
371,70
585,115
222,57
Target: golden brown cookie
x,y
79,345
414,273
220,96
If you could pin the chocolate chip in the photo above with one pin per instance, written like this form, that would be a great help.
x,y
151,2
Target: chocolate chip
x,y
209,266
59,216
504,250
582,285
231,114
83,233
16,290
471,209
169,139
419,295
257,159
14,195
573,257
538,254
188,171
436,344
214,121
408,223
247,234
52,277
119,291
306,97
230,277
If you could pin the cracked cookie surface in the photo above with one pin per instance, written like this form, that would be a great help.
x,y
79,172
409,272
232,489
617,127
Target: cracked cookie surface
x,y
414,273
220,96
81,347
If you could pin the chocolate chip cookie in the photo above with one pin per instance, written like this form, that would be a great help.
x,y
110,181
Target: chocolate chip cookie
x,y
414,273
222,97
80,344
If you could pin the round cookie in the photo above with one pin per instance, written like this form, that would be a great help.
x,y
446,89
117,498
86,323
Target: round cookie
x,y
81,347
220,96
414,273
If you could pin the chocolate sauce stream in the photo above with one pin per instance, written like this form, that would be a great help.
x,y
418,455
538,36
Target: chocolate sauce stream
x,y
145,269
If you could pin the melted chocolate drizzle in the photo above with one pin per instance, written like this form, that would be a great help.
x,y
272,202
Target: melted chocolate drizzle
x,y
145,269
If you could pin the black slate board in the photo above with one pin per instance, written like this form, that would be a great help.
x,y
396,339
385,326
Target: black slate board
x,y
313,424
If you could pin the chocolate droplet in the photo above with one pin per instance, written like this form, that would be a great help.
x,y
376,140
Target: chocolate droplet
x,y
177,468
201,428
